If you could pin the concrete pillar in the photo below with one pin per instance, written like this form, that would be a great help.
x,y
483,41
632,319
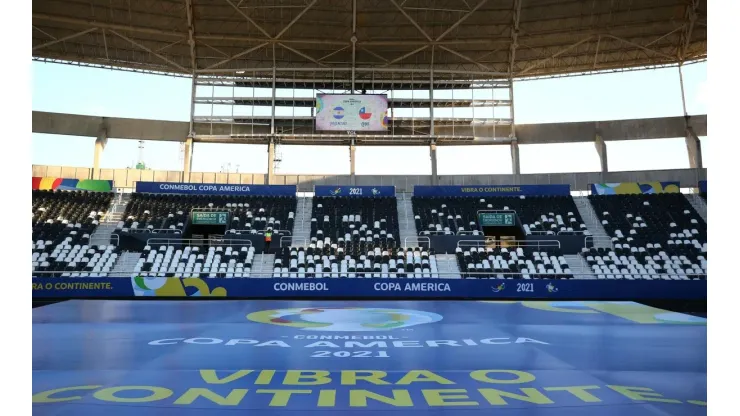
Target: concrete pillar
x,y
515,168
271,162
188,160
601,151
433,157
100,143
693,146
352,149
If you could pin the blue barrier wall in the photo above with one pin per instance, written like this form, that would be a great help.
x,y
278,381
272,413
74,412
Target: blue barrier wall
x,y
369,288
214,189
492,190
358,191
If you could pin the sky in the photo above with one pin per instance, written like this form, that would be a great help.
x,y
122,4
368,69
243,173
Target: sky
x,y
612,96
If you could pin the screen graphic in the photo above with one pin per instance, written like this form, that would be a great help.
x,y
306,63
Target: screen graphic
x,y
351,112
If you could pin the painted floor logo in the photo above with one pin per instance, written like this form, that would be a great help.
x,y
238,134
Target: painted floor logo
x,y
346,319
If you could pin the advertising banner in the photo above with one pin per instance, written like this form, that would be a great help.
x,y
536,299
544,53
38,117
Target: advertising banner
x,y
214,189
368,288
625,188
703,186
51,183
351,112
358,191
492,190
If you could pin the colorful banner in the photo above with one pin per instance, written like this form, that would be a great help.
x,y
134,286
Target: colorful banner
x,y
52,183
492,190
214,189
359,191
703,187
368,288
625,188
351,112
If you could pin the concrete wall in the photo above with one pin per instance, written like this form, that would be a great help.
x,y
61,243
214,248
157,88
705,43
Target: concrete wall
x,y
126,178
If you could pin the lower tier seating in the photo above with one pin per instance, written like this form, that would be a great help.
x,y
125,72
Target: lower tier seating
x,y
655,236
513,263
191,261
334,261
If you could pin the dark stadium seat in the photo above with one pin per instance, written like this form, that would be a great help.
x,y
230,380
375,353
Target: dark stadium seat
x,y
335,262
538,214
655,236
352,221
169,213
62,223
512,263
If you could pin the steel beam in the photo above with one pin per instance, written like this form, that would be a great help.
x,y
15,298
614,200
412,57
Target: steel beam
x,y
240,54
295,19
72,36
133,42
249,19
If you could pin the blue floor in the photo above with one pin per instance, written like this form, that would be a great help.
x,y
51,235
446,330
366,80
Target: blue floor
x,y
363,358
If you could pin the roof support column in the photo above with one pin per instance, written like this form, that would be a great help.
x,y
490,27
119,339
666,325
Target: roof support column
x,y
515,169
431,95
100,143
693,146
433,157
188,160
601,151
352,149
270,162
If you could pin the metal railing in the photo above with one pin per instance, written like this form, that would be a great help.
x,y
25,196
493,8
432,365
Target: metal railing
x,y
293,239
598,238
106,241
511,243
441,275
197,242
419,240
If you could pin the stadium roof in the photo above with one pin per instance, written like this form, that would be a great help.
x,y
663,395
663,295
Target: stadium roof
x,y
491,38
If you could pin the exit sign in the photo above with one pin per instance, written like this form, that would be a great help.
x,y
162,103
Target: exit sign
x,y
210,218
496,219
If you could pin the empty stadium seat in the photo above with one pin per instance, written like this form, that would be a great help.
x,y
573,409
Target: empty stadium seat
x,y
459,215
62,223
655,236
333,261
512,263
169,213
194,261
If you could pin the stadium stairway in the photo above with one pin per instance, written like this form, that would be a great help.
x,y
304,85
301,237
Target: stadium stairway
x,y
578,266
263,264
406,224
447,266
125,265
103,232
600,237
699,205
302,227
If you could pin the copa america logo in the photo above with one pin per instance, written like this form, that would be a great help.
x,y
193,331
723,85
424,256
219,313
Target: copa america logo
x,y
344,319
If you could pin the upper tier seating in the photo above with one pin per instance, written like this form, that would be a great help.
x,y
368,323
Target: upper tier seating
x,y
317,261
538,214
656,236
513,263
193,261
355,220
62,223
169,213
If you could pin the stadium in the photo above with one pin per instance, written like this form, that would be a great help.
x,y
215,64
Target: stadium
x,y
457,280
